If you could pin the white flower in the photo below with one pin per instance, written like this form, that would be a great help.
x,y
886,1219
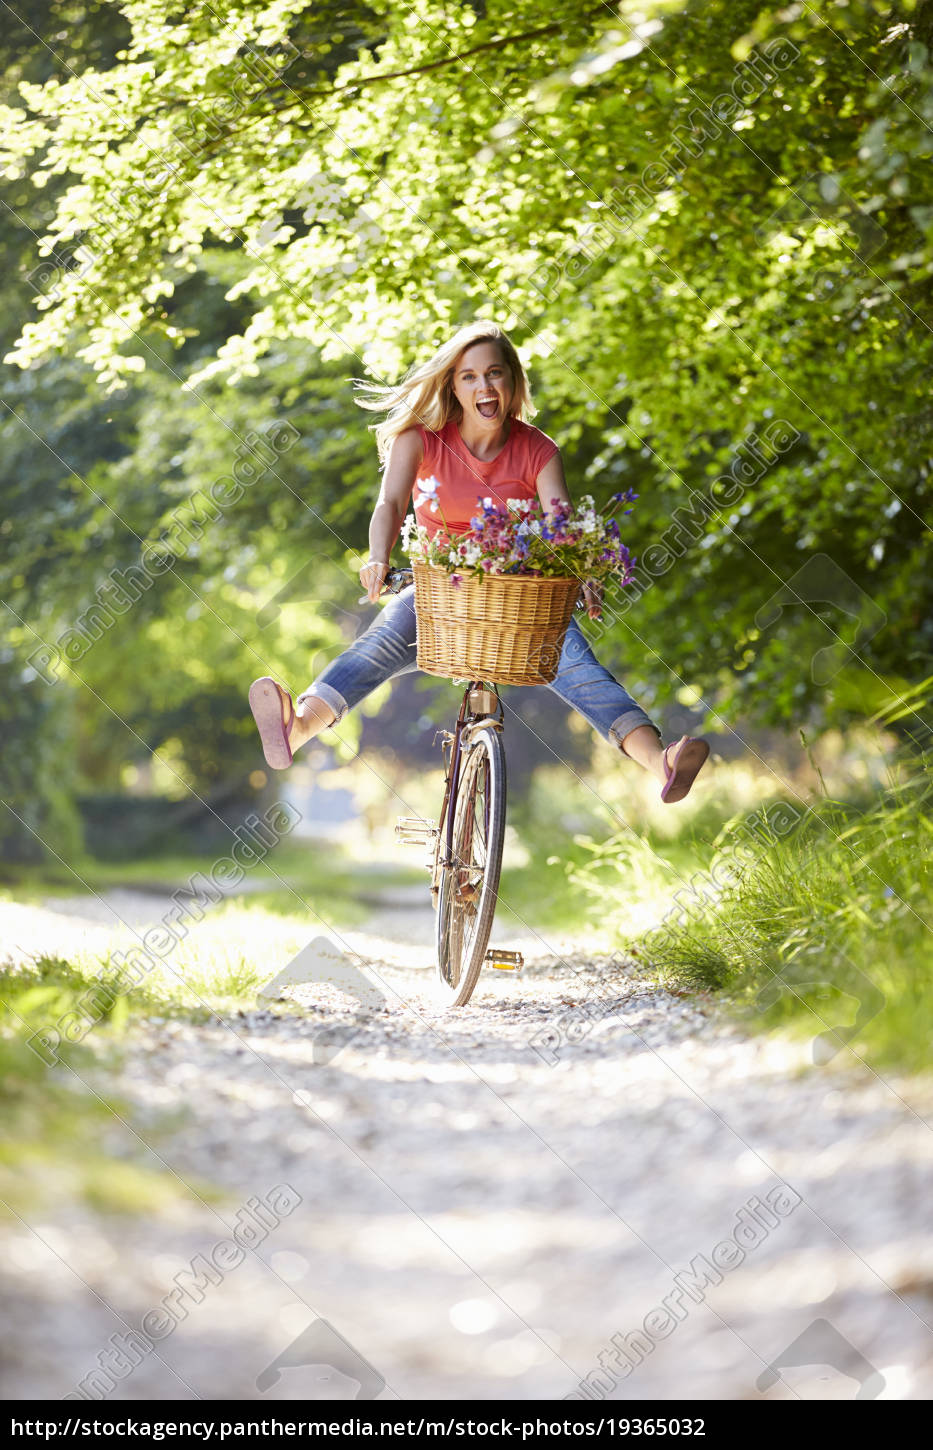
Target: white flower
x,y
428,491
535,526
414,537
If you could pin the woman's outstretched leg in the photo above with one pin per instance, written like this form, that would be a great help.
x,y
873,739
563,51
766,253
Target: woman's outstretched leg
x,y
311,717
589,688
385,649
643,744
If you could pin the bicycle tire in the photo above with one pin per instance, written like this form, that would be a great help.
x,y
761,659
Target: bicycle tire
x,y
464,922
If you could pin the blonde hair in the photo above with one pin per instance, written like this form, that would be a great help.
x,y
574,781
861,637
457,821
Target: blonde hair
x,y
426,395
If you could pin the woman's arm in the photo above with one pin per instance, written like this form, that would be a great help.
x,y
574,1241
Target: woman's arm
x,y
391,507
552,485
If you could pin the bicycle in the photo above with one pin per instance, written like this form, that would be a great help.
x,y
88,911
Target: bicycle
x,y
468,837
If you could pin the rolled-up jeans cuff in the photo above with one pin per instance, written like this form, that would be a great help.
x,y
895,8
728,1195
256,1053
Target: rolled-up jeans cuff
x,y
331,697
624,725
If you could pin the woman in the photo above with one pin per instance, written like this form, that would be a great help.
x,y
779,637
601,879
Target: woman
x,y
455,432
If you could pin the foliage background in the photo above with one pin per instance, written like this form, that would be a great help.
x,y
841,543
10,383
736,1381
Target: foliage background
x,y
213,217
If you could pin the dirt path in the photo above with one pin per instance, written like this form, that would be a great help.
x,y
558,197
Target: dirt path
x,y
496,1202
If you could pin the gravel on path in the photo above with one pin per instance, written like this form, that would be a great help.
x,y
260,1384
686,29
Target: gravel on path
x,y
578,1185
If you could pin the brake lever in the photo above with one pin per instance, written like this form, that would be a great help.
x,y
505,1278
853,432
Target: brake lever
x,y
393,574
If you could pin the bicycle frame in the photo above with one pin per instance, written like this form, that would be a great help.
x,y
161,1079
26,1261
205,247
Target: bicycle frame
x,y
475,889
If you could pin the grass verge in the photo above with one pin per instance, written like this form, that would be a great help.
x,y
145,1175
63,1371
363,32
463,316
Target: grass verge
x,y
816,919
295,876
62,1138
69,1001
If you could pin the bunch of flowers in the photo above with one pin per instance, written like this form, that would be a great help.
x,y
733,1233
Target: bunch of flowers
x,y
564,541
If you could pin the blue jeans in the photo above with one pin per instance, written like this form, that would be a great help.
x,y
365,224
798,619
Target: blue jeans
x,y
387,648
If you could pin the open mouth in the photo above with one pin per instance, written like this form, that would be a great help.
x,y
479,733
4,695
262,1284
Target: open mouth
x,y
487,407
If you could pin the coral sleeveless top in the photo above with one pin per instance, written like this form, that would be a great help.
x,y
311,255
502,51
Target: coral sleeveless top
x,y
452,479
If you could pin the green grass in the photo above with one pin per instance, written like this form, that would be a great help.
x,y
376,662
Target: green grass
x,y
539,893
296,876
55,1094
55,1127
57,1109
824,925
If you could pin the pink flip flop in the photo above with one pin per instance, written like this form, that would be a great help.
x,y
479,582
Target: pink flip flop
x,y
682,767
266,701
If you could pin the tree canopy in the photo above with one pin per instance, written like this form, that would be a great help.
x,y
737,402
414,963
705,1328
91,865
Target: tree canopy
x,y
709,228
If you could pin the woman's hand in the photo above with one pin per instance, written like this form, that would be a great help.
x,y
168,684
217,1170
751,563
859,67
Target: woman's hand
x,y
593,599
372,575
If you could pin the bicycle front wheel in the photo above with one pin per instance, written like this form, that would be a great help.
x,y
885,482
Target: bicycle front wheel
x,y
469,882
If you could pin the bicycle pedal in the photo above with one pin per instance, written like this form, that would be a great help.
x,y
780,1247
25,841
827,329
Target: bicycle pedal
x,y
413,831
504,961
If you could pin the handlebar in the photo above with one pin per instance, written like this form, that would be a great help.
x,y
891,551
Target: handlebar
x,y
395,581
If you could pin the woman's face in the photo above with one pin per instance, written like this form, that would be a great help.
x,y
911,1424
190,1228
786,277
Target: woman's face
x,y
482,385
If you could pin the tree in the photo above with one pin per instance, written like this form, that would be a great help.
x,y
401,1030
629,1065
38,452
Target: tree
x,y
708,226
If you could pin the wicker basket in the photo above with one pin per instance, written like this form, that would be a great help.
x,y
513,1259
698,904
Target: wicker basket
x,y
503,629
